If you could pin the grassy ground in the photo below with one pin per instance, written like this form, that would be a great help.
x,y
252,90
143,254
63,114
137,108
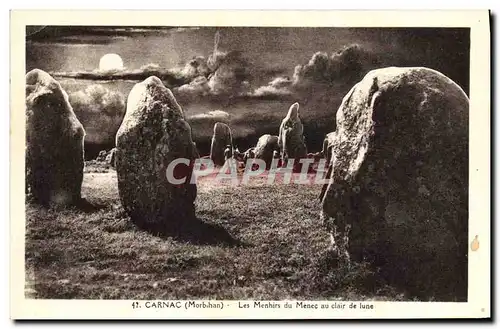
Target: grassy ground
x,y
256,242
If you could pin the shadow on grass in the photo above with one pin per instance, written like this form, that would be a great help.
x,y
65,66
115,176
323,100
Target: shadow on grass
x,y
333,276
195,231
81,205
391,276
88,207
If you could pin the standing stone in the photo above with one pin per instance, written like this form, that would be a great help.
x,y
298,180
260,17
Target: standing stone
x,y
54,143
237,155
110,157
291,136
399,179
152,135
265,148
228,153
220,140
327,146
101,157
249,154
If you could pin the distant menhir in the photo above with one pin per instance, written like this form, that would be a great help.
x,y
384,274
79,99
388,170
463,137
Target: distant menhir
x,y
221,139
291,135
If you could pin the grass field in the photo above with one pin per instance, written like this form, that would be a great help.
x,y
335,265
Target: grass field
x,y
254,241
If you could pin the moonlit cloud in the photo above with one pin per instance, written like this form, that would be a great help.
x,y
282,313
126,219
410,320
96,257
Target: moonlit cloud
x,y
100,111
217,115
348,64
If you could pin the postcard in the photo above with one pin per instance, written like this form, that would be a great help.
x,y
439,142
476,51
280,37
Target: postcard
x,y
250,164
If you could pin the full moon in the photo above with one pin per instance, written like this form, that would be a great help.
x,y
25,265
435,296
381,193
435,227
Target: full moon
x,y
111,62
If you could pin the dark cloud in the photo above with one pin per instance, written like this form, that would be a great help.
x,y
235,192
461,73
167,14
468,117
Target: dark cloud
x,y
95,34
100,111
83,40
170,77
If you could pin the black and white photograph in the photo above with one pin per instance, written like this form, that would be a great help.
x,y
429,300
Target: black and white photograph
x,y
184,166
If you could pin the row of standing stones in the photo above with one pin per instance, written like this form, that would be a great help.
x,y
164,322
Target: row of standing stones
x,y
289,144
398,189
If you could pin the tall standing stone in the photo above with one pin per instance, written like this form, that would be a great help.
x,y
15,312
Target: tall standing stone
x,y
399,179
152,135
221,138
54,143
291,135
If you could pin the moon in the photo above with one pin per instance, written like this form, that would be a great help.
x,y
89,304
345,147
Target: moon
x,y
111,62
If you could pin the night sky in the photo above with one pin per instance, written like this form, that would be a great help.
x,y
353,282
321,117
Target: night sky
x,y
259,72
